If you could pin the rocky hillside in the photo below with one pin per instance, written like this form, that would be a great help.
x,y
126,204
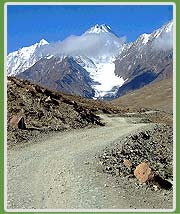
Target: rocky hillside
x,y
41,109
33,109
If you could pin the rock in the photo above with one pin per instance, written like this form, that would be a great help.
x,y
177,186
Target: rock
x,y
17,122
145,135
155,187
127,163
70,102
154,146
143,172
117,172
142,110
108,168
48,99
134,137
86,162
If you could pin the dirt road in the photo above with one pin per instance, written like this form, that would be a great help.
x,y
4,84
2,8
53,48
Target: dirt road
x,y
60,171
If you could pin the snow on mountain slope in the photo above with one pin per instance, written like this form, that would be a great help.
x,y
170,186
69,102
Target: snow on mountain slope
x,y
101,67
147,59
102,73
19,61
93,44
146,50
106,77
167,28
94,51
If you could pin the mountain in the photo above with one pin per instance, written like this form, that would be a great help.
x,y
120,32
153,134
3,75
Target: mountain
x,y
99,29
101,71
84,74
64,75
20,60
97,64
148,59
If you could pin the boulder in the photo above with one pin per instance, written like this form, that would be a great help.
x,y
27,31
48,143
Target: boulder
x,y
145,135
143,172
17,122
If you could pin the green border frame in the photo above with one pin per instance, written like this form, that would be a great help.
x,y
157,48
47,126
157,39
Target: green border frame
x,y
177,2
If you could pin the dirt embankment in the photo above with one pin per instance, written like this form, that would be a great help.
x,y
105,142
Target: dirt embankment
x,y
42,110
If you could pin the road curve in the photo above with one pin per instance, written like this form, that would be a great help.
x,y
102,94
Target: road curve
x,y
59,172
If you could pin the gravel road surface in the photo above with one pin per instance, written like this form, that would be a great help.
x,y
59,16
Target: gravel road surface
x,y
60,171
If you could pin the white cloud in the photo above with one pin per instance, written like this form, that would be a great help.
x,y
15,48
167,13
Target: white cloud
x,y
164,41
92,45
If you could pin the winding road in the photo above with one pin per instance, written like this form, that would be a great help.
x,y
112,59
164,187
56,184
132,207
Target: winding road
x,y
60,171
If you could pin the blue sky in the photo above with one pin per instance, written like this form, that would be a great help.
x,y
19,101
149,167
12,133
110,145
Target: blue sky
x,y
29,24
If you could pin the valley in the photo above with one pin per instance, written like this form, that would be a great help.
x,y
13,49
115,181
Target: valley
x,y
157,96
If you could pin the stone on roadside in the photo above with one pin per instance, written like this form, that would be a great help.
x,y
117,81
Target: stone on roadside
x,y
127,163
143,172
155,187
17,122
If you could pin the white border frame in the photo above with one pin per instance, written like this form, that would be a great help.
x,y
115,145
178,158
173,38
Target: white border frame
x,y
174,107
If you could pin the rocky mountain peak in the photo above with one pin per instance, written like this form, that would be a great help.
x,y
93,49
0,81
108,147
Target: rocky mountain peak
x,y
103,28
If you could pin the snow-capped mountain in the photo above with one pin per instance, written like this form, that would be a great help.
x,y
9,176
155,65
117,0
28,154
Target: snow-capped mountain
x,y
148,59
99,29
99,65
110,67
20,60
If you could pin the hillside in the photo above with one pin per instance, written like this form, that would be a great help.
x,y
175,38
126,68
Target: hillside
x,y
158,95
43,110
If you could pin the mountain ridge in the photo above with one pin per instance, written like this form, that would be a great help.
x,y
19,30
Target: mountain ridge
x,y
137,63
20,60
144,61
